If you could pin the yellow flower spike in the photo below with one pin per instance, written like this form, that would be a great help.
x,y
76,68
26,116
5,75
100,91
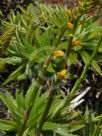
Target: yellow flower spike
x,y
70,35
57,53
62,74
70,25
77,42
69,12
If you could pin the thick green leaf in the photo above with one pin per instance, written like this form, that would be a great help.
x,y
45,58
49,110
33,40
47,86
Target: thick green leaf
x,y
63,132
63,45
20,102
72,57
30,93
31,132
14,75
38,108
26,132
50,68
76,127
46,38
86,58
28,47
11,105
53,126
37,38
7,125
13,60
22,76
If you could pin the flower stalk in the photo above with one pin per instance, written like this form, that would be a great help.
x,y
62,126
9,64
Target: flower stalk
x,y
78,82
46,110
52,91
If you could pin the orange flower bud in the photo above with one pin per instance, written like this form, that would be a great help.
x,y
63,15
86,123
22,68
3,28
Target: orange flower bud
x,y
77,42
57,53
70,25
62,74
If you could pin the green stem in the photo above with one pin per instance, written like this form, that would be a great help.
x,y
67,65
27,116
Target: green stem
x,y
78,82
46,111
47,107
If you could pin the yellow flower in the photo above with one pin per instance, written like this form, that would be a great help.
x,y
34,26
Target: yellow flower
x,y
62,74
70,35
70,25
69,12
58,53
77,42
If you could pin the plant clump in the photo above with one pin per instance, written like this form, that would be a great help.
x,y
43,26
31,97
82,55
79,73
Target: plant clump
x,y
49,48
